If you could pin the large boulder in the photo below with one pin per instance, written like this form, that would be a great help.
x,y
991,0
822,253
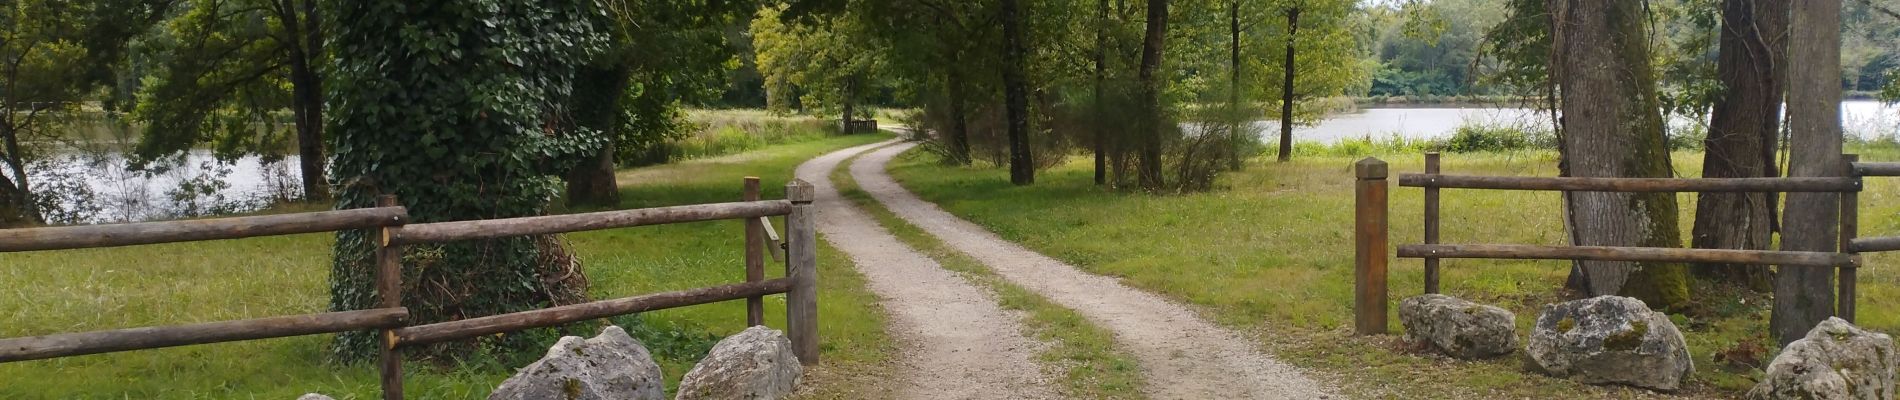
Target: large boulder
x,y
755,364
1610,340
1457,327
1835,361
611,366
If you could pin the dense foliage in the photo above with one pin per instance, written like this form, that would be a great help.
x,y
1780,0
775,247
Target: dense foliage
x,y
455,107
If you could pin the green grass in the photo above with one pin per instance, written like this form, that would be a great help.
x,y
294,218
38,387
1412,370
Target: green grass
x,y
1082,355
1271,251
79,290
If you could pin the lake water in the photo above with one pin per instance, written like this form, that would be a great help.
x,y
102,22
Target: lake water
x,y
1862,118
120,195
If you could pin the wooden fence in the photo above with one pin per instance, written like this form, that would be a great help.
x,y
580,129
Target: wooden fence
x,y
394,234
1370,233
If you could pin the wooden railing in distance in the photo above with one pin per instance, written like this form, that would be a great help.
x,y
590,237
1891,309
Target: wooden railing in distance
x,y
1371,215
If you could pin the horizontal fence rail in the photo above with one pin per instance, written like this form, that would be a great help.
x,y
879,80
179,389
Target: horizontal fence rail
x,y
1371,212
473,327
1633,254
83,343
510,227
1875,244
1630,185
115,235
799,284
1876,168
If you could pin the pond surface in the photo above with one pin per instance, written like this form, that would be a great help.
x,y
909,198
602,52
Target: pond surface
x,y
1863,118
201,185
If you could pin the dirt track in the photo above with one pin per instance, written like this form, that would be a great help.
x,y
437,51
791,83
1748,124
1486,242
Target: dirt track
x,y
955,342
1182,356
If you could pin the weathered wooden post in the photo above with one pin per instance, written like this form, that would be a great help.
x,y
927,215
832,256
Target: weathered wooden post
x,y
754,255
801,303
1850,229
1369,234
389,287
1431,223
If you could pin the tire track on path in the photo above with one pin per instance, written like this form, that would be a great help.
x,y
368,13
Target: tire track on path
x,y
955,342
1182,356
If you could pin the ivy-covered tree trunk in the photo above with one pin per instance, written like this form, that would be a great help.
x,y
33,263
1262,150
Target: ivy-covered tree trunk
x,y
1613,127
1741,140
1022,167
597,107
453,106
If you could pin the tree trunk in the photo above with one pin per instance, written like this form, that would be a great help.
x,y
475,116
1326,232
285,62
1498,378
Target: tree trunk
x,y
959,140
597,107
1805,296
850,106
303,30
17,208
1153,43
1022,168
1101,74
1235,127
1746,118
1614,128
1286,86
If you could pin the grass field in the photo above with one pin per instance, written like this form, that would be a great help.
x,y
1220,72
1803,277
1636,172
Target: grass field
x,y
67,291
1272,252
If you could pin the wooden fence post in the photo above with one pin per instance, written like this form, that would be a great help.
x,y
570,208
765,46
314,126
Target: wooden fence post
x,y
1850,229
1369,233
801,302
1431,224
389,287
754,255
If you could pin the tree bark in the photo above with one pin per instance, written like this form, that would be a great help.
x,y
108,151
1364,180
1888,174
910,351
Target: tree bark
x,y
1234,128
1614,128
1805,296
303,27
1100,132
1286,86
1022,168
1745,119
598,97
1153,45
959,140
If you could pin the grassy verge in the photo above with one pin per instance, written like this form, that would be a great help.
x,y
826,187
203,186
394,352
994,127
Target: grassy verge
x,y
65,291
1082,355
1272,253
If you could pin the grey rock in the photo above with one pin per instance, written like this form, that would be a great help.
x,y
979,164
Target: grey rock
x,y
313,396
610,366
756,363
1610,340
1457,327
1835,361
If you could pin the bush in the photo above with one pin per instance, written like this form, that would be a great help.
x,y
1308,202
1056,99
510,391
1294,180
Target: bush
x,y
1474,137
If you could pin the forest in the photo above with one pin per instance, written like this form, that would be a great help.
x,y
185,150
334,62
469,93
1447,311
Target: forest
x,y
118,111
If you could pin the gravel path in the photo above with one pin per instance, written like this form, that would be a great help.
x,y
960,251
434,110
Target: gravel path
x,y
1182,356
954,341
